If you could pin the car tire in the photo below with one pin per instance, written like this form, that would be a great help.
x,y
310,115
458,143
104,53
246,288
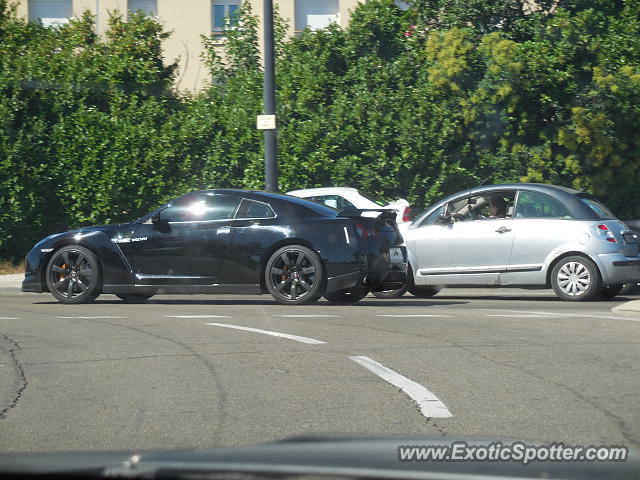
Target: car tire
x,y
575,279
351,295
397,293
73,275
607,292
133,297
294,275
423,292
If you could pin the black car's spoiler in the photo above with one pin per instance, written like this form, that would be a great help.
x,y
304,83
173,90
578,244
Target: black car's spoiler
x,y
385,213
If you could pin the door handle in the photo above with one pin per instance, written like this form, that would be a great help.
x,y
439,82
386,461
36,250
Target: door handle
x,y
503,229
223,230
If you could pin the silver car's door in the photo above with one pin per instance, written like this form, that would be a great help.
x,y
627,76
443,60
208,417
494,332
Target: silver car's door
x,y
541,225
472,249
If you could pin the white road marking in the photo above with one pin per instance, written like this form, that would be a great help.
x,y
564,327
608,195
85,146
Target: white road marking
x,y
416,315
196,316
92,317
308,316
429,404
559,314
9,318
524,315
269,332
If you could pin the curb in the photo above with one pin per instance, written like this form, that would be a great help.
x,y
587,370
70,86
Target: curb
x,y
12,281
629,309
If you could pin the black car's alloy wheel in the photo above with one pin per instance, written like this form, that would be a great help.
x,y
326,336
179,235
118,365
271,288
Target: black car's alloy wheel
x,y
133,297
294,275
73,275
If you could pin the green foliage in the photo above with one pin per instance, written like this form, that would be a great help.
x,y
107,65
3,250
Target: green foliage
x,y
418,104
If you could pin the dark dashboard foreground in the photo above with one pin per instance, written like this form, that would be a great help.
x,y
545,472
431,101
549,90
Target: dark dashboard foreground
x,y
343,456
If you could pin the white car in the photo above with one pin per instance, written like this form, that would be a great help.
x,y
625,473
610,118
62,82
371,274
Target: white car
x,y
344,198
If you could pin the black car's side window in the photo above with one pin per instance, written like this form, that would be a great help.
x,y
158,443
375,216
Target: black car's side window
x,y
201,207
252,209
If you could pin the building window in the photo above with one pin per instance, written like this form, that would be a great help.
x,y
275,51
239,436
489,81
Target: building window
x,y
50,12
316,14
223,15
148,7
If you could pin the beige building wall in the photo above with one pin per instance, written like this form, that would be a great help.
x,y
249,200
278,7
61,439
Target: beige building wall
x,y
187,20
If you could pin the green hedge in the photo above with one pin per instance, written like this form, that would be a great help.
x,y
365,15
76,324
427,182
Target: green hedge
x,y
416,104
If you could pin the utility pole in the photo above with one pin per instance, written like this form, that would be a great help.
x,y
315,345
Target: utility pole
x,y
268,120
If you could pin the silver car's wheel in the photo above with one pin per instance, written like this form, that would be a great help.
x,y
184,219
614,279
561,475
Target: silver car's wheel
x,y
575,279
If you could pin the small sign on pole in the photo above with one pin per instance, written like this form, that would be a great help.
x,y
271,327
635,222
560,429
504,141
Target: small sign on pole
x,y
266,122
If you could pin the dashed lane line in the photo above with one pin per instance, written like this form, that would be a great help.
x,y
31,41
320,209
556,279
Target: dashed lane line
x,y
297,338
9,318
397,315
430,405
197,316
560,314
308,316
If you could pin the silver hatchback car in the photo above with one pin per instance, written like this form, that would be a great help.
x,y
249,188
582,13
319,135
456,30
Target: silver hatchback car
x,y
522,235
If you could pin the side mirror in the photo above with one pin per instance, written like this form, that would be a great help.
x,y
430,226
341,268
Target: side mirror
x,y
445,219
160,223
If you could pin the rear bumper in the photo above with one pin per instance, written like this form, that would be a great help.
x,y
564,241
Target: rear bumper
x,y
377,273
616,268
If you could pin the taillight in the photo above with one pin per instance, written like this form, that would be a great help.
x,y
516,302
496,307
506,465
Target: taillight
x,y
406,216
361,230
608,234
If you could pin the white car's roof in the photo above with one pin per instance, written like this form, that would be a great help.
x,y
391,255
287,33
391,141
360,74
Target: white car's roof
x,y
322,190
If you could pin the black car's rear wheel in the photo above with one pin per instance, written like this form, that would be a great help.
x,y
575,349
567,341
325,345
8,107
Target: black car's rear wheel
x,y
73,275
397,293
133,297
351,295
294,275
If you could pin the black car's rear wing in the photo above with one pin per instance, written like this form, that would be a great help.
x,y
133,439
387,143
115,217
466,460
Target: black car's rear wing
x,y
386,214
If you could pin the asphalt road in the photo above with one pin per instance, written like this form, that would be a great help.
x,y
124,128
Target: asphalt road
x,y
492,363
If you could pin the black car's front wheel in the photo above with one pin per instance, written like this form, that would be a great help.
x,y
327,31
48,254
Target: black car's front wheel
x,y
294,275
73,275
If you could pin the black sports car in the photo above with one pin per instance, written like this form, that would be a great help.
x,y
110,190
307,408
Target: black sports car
x,y
225,241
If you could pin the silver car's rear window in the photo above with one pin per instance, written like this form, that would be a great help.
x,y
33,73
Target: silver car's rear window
x,y
596,207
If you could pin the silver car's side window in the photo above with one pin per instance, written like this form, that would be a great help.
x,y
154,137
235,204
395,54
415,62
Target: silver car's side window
x,y
433,217
540,205
487,206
